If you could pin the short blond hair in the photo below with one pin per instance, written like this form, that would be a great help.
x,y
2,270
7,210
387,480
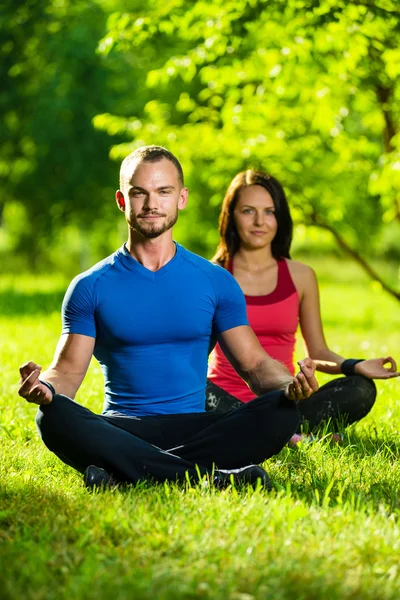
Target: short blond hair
x,y
149,154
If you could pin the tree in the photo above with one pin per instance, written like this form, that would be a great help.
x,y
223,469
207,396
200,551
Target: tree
x,y
54,166
309,91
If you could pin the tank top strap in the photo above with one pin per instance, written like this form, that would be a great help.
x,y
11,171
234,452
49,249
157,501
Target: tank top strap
x,y
284,278
284,287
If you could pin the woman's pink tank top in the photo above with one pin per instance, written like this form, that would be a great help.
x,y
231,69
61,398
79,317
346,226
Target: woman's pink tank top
x,y
274,319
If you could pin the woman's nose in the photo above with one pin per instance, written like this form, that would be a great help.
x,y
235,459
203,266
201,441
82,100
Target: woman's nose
x,y
258,218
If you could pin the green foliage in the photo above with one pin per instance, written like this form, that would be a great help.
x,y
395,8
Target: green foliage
x,y
309,92
54,166
329,530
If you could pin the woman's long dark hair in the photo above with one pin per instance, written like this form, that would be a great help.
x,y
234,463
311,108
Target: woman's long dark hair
x,y
229,242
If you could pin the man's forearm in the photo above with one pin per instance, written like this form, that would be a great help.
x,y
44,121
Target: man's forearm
x,y
267,375
63,383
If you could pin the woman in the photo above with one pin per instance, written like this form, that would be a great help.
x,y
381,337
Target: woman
x,y
255,236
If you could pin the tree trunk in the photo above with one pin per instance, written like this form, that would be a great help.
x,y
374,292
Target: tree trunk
x,y
320,222
385,96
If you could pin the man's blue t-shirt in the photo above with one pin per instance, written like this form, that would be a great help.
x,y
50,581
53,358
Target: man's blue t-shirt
x,y
153,329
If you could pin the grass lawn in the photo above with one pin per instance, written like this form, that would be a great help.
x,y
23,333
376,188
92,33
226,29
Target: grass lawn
x,y
330,529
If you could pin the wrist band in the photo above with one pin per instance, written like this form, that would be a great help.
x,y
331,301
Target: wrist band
x,y
347,366
48,384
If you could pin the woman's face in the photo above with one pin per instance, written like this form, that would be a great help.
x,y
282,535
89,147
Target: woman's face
x,y
254,216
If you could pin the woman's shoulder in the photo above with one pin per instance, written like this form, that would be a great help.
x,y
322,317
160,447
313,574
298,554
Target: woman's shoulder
x,y
295,266
301,273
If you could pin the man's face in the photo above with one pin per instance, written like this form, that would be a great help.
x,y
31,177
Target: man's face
x,y
152,195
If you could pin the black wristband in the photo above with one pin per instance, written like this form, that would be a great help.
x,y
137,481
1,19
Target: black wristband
x,y
48,384
347,366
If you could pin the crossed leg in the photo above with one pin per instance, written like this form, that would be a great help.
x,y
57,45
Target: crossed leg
x,y
166,447
340,402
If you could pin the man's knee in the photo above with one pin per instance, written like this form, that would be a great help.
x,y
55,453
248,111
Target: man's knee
x,y
274,407
275,400
53,416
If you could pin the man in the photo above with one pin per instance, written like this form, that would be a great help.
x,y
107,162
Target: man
x,y
147,313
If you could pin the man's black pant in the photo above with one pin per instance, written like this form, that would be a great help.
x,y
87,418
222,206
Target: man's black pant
x,y
166,447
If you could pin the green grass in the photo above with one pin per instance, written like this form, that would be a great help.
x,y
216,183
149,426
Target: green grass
x,y
329,530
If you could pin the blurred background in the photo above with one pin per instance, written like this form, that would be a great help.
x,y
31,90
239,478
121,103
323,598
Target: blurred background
x,y
308,91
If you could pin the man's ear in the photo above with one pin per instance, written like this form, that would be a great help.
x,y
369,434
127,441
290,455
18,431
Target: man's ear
x,y
183,198
120,200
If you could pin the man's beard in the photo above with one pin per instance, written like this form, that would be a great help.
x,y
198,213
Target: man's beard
x,y
150,230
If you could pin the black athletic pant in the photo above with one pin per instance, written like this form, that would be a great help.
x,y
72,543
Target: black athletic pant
x,y
341,401
166,447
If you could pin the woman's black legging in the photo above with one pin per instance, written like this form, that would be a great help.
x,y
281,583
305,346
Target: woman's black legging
x,y
337,404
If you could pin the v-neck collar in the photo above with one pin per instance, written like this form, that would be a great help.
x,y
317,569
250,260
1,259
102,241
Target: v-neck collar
x,y
135,266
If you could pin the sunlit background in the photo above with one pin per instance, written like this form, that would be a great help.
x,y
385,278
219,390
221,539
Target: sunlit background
x,y
308,91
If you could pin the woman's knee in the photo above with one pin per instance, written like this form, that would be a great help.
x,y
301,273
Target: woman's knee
x,y
365,389
359,395
219,401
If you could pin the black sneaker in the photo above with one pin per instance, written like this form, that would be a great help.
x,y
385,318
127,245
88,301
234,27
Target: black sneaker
x,y
245,476
94,477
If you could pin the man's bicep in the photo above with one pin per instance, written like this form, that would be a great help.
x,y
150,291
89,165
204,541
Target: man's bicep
x,y
78,308
73,353
230,310
241,347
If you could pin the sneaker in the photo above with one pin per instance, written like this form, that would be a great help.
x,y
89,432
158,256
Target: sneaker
x,y
245,476
308,438
94,477
302,438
